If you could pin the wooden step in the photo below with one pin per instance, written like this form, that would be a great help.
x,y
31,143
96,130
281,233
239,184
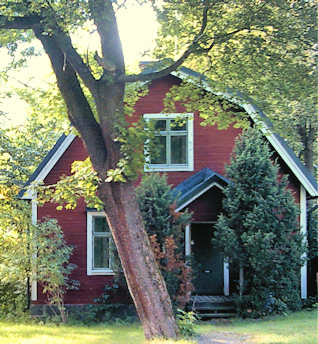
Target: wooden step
x,y
208,306
216,315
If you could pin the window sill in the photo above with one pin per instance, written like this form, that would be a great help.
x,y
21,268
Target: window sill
x,y
167,168
101,273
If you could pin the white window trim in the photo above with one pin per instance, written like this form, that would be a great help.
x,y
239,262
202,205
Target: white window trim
x,y
90,270
170,168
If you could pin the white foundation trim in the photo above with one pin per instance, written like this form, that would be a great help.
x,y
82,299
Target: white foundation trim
x,y
226,278
303,230
34,291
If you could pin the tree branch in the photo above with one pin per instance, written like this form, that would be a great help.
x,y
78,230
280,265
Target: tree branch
x,y
191,49
105,20
72,56
79,110
19,23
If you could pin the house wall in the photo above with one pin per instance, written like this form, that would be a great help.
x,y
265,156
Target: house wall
x,y
212,149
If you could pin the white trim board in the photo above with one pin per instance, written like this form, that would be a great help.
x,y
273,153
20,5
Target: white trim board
x,y
89,248
189,166
303,230
28,194
198,195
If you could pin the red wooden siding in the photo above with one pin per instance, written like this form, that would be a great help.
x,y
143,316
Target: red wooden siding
x,y
212,149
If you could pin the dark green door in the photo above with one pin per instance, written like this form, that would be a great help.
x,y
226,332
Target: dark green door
x,y
208,261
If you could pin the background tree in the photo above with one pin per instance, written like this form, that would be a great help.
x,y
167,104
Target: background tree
x,y
21,150
259,232
204,27
15,267
267,50
53,268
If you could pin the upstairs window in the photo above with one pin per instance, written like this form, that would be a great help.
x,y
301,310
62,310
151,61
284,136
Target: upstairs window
x,y
175,139
99,245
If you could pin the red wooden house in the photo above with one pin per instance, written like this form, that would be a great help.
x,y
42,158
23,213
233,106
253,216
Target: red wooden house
x,y
193,158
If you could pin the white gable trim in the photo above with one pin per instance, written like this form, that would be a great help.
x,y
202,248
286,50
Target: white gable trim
x,y
181,206
28,194
250,109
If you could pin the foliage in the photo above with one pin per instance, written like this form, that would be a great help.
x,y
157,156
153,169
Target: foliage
x,y
313,232
165,228
311,303
259,232
230,33
20,243
22,148
52,265
15,229
267,50
176,273
186,322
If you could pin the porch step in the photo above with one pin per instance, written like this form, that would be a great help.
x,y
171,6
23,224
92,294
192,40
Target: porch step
x,y
208,307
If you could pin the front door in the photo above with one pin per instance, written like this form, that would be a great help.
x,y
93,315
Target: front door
x,y
208,261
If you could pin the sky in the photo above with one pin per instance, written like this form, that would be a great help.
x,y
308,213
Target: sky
x,y
137,26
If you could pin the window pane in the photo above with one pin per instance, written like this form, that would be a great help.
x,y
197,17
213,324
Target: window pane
x,y
179,149
160,154
160,125
100,224
179,124
101,252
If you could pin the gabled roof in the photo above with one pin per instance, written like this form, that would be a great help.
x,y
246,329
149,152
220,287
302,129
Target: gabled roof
x,y
52,157
304,176
196,185
282,148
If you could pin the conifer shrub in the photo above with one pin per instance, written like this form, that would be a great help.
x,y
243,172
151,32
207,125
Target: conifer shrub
x,y
165,228
259,231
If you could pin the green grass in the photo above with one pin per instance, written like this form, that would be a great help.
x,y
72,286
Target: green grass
x,y
297,328
51,334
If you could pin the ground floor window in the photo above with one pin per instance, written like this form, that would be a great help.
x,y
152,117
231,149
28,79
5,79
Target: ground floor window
x,y
99,245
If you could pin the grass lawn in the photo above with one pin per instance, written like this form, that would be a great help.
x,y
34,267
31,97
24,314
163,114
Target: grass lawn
x,y
297,328
300,328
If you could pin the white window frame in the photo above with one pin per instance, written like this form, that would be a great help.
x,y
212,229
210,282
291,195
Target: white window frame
x,y
90,246
174,167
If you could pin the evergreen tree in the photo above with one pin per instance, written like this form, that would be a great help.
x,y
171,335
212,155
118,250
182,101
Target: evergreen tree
x,y
165,228
259,232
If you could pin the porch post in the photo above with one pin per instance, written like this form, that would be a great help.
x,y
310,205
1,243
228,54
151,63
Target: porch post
x,y
226,277
303,230
187,240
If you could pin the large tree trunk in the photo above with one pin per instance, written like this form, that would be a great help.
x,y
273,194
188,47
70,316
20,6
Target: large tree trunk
x,y
145,282
142,274
144,279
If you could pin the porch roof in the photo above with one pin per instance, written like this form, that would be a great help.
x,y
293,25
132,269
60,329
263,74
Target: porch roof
x,y
196,185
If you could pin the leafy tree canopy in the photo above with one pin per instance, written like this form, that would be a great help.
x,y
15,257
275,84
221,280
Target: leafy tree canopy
x,y
265,49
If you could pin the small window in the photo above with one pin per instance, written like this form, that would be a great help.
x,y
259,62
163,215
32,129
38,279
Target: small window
x,y
175,142
99,245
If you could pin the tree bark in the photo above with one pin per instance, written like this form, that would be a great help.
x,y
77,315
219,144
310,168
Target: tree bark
x,y
143,277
